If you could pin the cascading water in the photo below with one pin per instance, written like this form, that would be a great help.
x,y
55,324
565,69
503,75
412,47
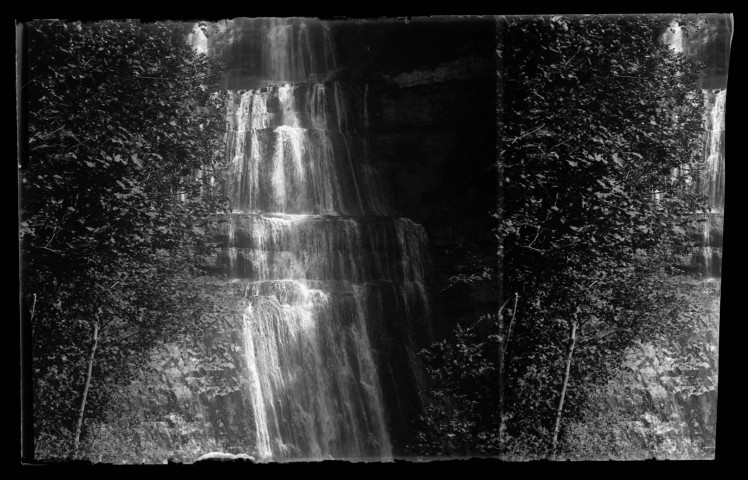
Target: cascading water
x,y
707,258
712,184
328,272
714,178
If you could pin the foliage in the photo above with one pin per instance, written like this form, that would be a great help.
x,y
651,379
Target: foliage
x,y
600,146
603,129
456,420
117,190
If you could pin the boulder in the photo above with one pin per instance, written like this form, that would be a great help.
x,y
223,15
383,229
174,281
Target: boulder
x,y
223,457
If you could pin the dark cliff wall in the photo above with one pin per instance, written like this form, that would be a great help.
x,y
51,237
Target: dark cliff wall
x,y
432,135
431,100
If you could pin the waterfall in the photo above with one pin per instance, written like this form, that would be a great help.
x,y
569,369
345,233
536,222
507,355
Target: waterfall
x,y
318,165
714,177
707,257
328,270
711,183
290,51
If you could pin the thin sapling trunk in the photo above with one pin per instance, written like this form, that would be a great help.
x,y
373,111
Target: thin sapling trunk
x,y
79,425
564,385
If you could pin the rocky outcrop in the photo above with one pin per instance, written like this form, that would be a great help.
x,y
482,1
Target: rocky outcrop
x,y
666,394
187,400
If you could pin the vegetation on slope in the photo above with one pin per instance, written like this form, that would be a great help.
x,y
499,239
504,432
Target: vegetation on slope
x,y
117,191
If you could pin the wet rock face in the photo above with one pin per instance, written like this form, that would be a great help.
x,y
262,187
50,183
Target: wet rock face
x,y
344,50
435,145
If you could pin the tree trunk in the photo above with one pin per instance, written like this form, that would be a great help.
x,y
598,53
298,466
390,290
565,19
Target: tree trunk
x,y
569,353
79,426
505,346
33,309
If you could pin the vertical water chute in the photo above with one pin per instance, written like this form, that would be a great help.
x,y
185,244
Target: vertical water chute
x,y
714,177
711,183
